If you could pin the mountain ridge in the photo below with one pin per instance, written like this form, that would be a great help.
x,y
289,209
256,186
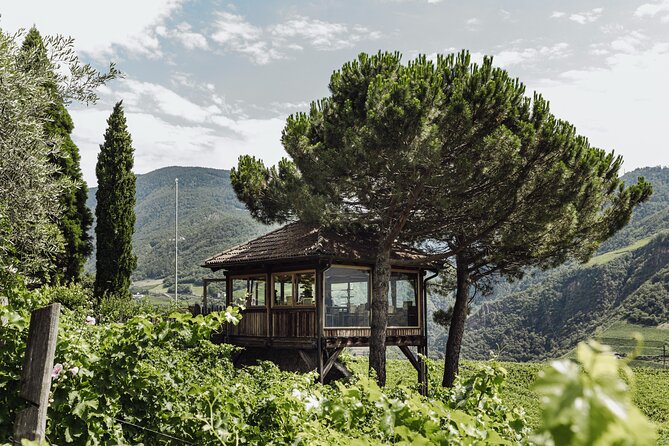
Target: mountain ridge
x,y
627,281
211,219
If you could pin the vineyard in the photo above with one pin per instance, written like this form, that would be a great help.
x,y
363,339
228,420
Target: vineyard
x,y
650,387
157,379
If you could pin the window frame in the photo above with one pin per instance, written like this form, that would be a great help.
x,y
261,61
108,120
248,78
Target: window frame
x,y
419,290
294,288
369,297
250,297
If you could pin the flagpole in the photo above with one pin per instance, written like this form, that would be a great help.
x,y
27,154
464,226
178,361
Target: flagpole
x,y
176,241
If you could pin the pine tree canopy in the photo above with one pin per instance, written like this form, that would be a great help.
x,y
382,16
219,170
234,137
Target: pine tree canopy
x,y
449,155
115,211
453,149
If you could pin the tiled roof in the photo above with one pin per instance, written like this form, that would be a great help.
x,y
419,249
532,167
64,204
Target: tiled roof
x,y
298,240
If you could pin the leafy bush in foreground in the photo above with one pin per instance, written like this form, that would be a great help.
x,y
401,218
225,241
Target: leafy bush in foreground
x,y
158,380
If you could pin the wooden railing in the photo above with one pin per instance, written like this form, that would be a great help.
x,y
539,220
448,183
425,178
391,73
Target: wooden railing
x,y
253,323
294,323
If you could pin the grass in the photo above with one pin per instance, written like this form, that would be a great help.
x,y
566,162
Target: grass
x,y
650,389
611,255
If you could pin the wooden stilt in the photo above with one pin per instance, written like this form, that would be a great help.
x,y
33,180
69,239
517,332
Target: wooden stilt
x,y
331,361
418,363
307,360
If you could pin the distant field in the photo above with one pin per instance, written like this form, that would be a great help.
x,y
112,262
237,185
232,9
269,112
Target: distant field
x,y
157,294
650,387
620,337
607,257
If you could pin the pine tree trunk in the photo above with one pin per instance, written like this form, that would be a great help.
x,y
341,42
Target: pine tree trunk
x,y
457,328
377,341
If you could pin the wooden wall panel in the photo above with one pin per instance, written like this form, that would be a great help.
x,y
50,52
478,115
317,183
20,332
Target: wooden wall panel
x,y
294,323
253,323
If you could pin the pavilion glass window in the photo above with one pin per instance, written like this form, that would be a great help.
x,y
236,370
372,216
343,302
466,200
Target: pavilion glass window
x,y
403,299
347,297
249,291
306,289
294,288
283,289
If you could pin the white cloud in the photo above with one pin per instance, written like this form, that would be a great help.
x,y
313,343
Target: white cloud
x,y
184,34
599,49
97,27
159,143
628,43
141,96
472,23
262,45
235,30
620,107
660,8
507,58
319,34
170,129
557,14
586,16
235,34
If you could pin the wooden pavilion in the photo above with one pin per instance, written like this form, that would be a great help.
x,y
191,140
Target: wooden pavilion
x,y
306,295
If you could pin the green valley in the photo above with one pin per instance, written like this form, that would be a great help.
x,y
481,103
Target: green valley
x,y
625,288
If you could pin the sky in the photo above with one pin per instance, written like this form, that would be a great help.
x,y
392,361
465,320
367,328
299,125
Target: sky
x,y
207,81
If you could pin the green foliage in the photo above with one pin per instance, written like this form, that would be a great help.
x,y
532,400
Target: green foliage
x,y
159,380
30,185
451,152
112,308
211,219
553,311
115,210
76,219
650,217
72,297
184,288
551,316
586,403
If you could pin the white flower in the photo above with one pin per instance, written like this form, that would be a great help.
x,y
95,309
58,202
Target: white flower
x,y
297,394
74,370
57,370
229,317
312,403
90,320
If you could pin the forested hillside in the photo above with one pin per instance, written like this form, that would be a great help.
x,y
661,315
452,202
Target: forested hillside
x,y
547,313
210,220
541,316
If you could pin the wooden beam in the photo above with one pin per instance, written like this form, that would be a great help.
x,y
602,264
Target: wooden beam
x,y
410,356
319,322
344,371
36,374
331,360
205,284
235,356
422,371
307,360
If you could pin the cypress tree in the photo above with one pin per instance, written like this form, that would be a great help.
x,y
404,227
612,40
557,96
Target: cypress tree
x,y
115,210
76,219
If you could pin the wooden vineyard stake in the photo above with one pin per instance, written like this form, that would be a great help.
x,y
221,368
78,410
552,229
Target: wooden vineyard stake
x,y
36,374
